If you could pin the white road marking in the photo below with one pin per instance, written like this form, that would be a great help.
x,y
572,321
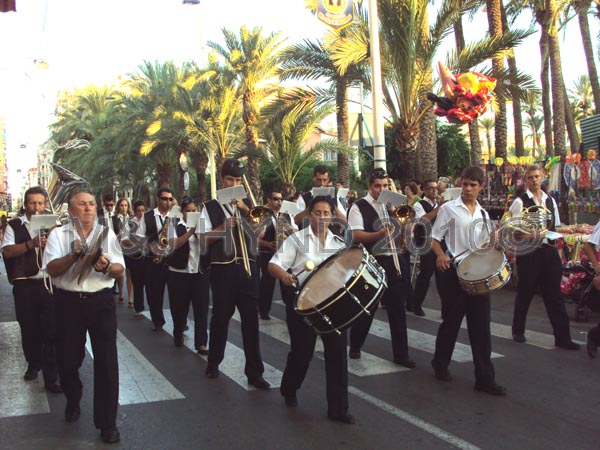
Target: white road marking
x,y
19,397
414,420
139,380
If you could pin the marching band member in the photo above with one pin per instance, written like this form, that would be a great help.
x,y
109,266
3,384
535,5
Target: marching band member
x,y
589,249
122,216
426,210
461,223
365,220
540,268
267,246
314,243
186,282
133,245
86,306
229,282
34,306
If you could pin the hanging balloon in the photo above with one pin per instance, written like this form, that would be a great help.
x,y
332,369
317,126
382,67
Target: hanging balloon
x,y
498,161
513,159
551,161
569,158
591,155
576,158
523,160
529,159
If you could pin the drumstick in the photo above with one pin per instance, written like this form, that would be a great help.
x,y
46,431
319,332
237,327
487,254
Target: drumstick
x,y
308,267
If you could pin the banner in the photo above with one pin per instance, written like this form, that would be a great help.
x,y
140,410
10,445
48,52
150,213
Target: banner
x,y
337,14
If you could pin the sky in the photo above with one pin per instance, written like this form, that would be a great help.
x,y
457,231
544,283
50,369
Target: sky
x,y
95,42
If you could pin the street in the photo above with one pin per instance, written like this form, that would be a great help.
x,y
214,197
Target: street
x,y
166,402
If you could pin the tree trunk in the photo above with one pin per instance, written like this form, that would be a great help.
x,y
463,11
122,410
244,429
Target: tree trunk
x,y
199,160
406,142
163,174
474,137
558,98
287,189
582,7
251,145
570,123
494,13
545,82
343,160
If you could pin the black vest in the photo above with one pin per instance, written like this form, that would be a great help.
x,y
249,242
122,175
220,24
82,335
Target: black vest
x,y
270,231
528,202
179,258
25,265
225,251
370,219
419,228
151,230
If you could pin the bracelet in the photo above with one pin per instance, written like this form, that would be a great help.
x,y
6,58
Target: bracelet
x,y
105,271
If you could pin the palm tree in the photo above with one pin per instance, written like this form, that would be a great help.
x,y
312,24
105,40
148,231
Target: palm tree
x,y
531,106
581,98
254,59
487,123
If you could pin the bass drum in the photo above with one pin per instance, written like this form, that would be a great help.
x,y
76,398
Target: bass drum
x,y
345,286
482,273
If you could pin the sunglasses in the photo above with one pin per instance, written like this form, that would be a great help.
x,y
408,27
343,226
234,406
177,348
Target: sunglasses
x,y
277,199
167,199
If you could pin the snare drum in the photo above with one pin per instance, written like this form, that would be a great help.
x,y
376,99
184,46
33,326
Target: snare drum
x,y
481,273
341,289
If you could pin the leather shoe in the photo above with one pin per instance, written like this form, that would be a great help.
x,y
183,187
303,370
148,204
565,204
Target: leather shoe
x,y
568,345
490,388
157,328
212,371
410,308
264,316
259,383
291,401
53,387
354,353
441,373
344,418
178,341
590,346
31,375
110,435
202,351
72,412
419,311
520,338
406,362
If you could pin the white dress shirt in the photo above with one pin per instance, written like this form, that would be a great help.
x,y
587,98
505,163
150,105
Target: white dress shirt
x,y
9,239
517,206
419,210
594,238
304,246
462,231
194,257
59,245
356,222
158,217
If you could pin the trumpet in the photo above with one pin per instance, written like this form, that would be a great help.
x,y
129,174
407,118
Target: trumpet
x,y
404,214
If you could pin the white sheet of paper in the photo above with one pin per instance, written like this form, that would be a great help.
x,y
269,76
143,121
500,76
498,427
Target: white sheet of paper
x,y
327,191
175,212
553,235
43,221
192,219
452,193
226,195
290,208
393,198
342,192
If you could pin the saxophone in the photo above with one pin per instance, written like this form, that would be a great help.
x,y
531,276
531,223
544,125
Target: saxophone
x,y
162,247
280,233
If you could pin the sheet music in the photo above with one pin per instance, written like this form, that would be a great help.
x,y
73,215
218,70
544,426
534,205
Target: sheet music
x,y
342,192
394,198
290,208
42,221
192,219
323,191
452,193
226,195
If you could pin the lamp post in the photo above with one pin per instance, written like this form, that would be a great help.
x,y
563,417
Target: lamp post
x,y
378,131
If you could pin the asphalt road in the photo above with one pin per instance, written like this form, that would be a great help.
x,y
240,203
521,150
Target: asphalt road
x,y
166,402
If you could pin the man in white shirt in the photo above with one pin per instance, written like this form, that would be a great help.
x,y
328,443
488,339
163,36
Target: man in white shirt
x,y
540,267
314,243
589,249
465,227
34,306
86,305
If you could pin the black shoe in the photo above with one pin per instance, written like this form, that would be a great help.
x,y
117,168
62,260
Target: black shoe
x,y
490,388
590,346
53,387
212,371
157,328
354,353
441,373
419,311
110,435
72,412
202,351
520,338
568,345
31,375
259,383
264,316
344,418
290,401
410,308
178,341
406,362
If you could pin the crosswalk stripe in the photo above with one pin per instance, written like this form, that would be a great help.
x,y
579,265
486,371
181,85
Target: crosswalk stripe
x,y
233,364
139,380
367,365
535,338
423,341
19,398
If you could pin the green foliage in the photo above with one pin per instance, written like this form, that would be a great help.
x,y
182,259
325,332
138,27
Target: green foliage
x,y
452,150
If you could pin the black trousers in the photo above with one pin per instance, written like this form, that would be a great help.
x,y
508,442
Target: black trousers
x,y
595,334
543,269
426,271
267,284
302,346
231,288
396,310
96,315
155,280
456,303
137,269
34,308
186,289
406,289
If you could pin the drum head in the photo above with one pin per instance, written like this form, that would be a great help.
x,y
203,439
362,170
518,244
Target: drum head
x,y
329,277
479,266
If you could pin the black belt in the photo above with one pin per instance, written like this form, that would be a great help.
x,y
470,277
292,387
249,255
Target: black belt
x,y
84,295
